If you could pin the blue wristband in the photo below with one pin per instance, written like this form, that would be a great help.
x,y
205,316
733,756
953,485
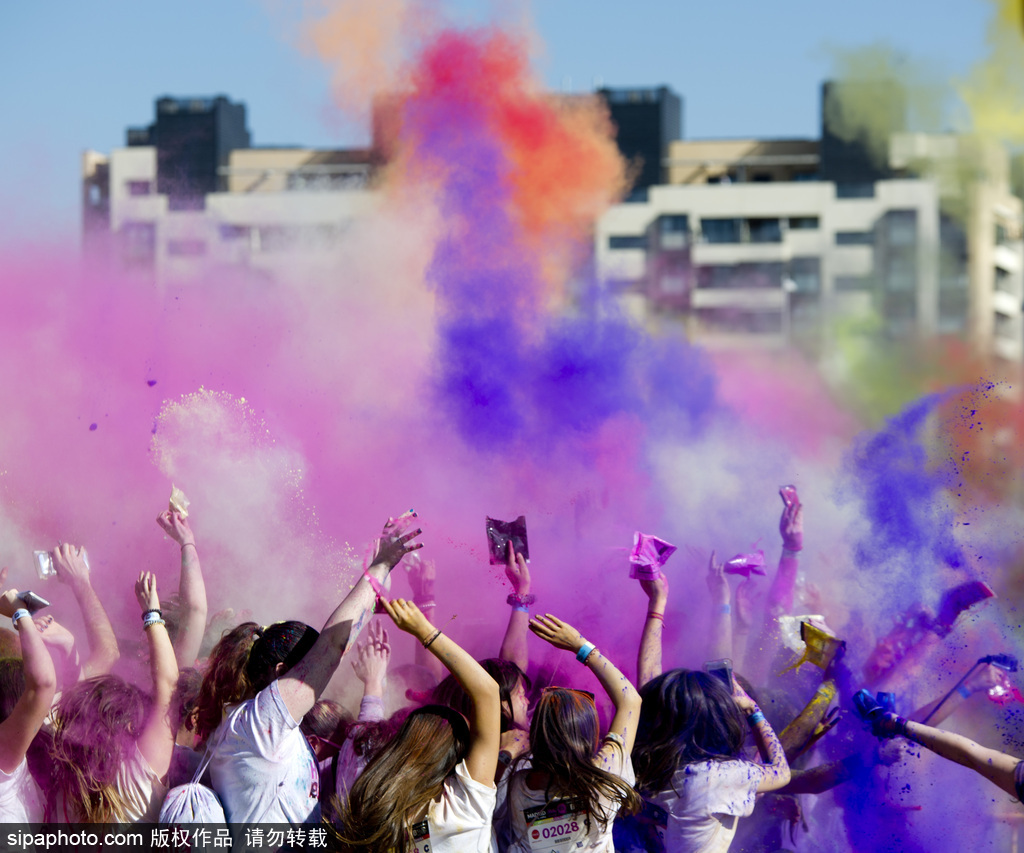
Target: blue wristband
x,y
963,691
586,650
755,718
724,609
522,608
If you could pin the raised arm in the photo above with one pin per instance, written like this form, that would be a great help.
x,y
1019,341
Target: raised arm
x,y
648,662
485,698
26,718
302,685
191,589
371,667
156,743
623,694
513,646
721,611
70,564
776,768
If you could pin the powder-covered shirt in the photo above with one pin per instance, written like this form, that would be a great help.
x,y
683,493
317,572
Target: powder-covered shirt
x,y
536,823
20,798
459,820
700,810
262,768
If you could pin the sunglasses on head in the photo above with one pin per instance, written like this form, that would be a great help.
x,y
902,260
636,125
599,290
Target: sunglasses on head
x,y
585,693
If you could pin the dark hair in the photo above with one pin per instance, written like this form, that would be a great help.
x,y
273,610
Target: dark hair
x,y
508,675
565,737
12,685
282,642
402,778
686,716
186,694
96,725
225,682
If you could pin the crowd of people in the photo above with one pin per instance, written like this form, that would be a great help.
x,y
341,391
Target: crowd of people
x,y
473,755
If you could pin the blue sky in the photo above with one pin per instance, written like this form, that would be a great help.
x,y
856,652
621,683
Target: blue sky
x,y
76,74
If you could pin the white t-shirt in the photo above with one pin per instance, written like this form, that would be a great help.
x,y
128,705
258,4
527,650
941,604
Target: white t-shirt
x,y
708,797
20,798
539,825
459,821
262,768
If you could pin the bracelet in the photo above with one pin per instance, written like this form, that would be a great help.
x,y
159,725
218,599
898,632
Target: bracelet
x,y
964,691
436,634
652,615
522,608
585,651
515,598
193,544
724,609
146,613
422,605
20,613
755,718
149,623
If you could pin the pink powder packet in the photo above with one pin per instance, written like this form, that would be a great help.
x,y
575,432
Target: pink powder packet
x,y
649,554
746,564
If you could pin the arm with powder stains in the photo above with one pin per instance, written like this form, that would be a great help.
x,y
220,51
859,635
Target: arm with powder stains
x,y
721,610
648,662
191,589
302,685
72,569
775,767
513,646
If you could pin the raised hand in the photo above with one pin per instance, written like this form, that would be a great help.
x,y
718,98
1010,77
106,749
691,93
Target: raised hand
x,y
54,634
145,592
718,583
176,526
408,618
560,634
517,570
372,656
9,602
69,561
394,542
791,527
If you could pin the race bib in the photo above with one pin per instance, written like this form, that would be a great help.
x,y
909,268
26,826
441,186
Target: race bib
x,y
558,827
421,836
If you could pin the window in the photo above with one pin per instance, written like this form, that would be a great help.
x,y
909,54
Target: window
x,y
138,240
806,274
855,238
740,320
765,230
762,178
720,230
901,227
1002,235
673,284
626,241
858,190
673,231
803,223
768,274
850,283
717,276
186,247
1005,326
901,269
1004,281
140,187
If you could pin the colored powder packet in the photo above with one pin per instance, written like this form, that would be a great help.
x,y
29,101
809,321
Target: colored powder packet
x,y
178,502
789,630
820,647
789,495
649,554
499,533
746,564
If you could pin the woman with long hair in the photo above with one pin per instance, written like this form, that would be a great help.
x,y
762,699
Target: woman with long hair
x,y
576,781
432,786
26,691
111,745
263,681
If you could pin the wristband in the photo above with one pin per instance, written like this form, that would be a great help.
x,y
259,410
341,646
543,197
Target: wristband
x,y
20,613
146,613
964,691
435,635
515,598
755,718
652,615
422,605
193,544
149,623
505,757
522,608
585,651
724,609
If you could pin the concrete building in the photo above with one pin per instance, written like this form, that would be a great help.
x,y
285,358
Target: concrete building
x,y
263,209
748,243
